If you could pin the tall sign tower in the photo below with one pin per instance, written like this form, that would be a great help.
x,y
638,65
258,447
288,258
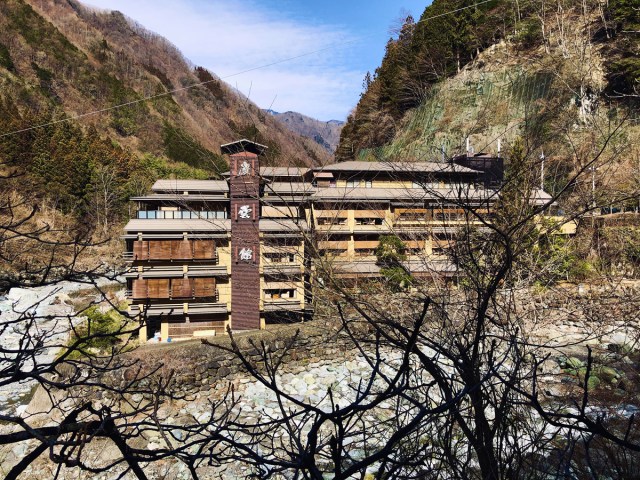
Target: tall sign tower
x,y
244,189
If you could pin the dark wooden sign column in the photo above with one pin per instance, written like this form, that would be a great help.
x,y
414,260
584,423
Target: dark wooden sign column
x,y
244,188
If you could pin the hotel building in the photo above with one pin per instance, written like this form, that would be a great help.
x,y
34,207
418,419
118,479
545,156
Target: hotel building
x,y
244,251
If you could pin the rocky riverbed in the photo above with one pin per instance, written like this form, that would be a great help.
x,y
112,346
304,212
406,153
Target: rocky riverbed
x,y
46,312
561,328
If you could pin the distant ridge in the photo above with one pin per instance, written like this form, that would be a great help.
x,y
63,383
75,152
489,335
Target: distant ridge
x,y
62,56
325,134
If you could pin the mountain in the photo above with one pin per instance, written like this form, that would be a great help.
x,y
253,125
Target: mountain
x,y
325,134
61,59
564,81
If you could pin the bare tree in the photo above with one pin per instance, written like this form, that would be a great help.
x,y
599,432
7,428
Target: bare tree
x,y
67,356
461,382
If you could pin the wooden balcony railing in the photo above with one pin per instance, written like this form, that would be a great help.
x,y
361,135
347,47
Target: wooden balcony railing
x,y
162,250
174,288
171,295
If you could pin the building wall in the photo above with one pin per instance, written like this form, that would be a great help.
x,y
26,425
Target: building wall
x,y
344,232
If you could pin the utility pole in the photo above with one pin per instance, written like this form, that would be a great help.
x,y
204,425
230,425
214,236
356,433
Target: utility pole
x,y
542,157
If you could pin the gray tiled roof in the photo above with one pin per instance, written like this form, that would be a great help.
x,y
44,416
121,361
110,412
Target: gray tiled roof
x,y
400,167
289,188
278,172
283,171
387,194
178,225
180,186
179,198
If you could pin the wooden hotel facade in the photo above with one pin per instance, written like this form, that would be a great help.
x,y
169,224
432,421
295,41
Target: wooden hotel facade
x,y
246,250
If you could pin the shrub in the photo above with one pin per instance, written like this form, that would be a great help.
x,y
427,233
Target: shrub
x,y
397,278
5,59
390,250
100,332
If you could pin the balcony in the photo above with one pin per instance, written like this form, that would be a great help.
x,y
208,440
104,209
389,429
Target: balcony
x,y
130,257
178,294
177,271
170,250
380,228
342,227
282,304
177,309
333,245
173,288
284,268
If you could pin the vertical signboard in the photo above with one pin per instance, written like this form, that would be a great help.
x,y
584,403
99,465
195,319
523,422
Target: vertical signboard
x,y
245,240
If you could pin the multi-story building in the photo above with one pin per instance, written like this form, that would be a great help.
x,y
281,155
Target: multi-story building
x,y
244,251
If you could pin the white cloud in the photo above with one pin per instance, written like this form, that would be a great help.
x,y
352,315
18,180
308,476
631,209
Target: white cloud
x,y
229,37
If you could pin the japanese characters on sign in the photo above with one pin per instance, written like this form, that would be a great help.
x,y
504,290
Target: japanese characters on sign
x,y
246,254
244,168
244,211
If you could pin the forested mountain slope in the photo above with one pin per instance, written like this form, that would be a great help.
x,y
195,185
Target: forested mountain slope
x,y
59,59
561,76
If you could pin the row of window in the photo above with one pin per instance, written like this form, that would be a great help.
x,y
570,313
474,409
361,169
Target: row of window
x,y
180,214
361,183
222,214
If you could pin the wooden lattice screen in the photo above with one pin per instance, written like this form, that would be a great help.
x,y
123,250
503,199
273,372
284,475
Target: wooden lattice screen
x,y
203,249
158,287
141,250
204,287
173,249
181,287
139,289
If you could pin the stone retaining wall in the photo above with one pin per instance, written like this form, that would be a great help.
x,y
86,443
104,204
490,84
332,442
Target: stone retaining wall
x,y
196,365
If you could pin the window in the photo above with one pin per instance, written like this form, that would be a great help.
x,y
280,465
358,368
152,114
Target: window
x,y
368,221
426,185
280,257
332,221
277,294
358,183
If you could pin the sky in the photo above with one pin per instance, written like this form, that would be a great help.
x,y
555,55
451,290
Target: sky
x,y
336,42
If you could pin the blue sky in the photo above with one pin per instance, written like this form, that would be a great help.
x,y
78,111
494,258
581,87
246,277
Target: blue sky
x,y
231,36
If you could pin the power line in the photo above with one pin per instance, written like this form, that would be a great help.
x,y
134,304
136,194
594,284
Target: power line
x,y
252,69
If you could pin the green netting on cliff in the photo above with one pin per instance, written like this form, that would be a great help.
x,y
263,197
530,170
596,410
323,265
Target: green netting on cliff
x,y
484,106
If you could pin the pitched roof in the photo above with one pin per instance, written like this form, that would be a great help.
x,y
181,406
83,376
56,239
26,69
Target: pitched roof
x,y
180,186
243,145
289,188
283,171
180,198
373,194
403,167
178,225
277,172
